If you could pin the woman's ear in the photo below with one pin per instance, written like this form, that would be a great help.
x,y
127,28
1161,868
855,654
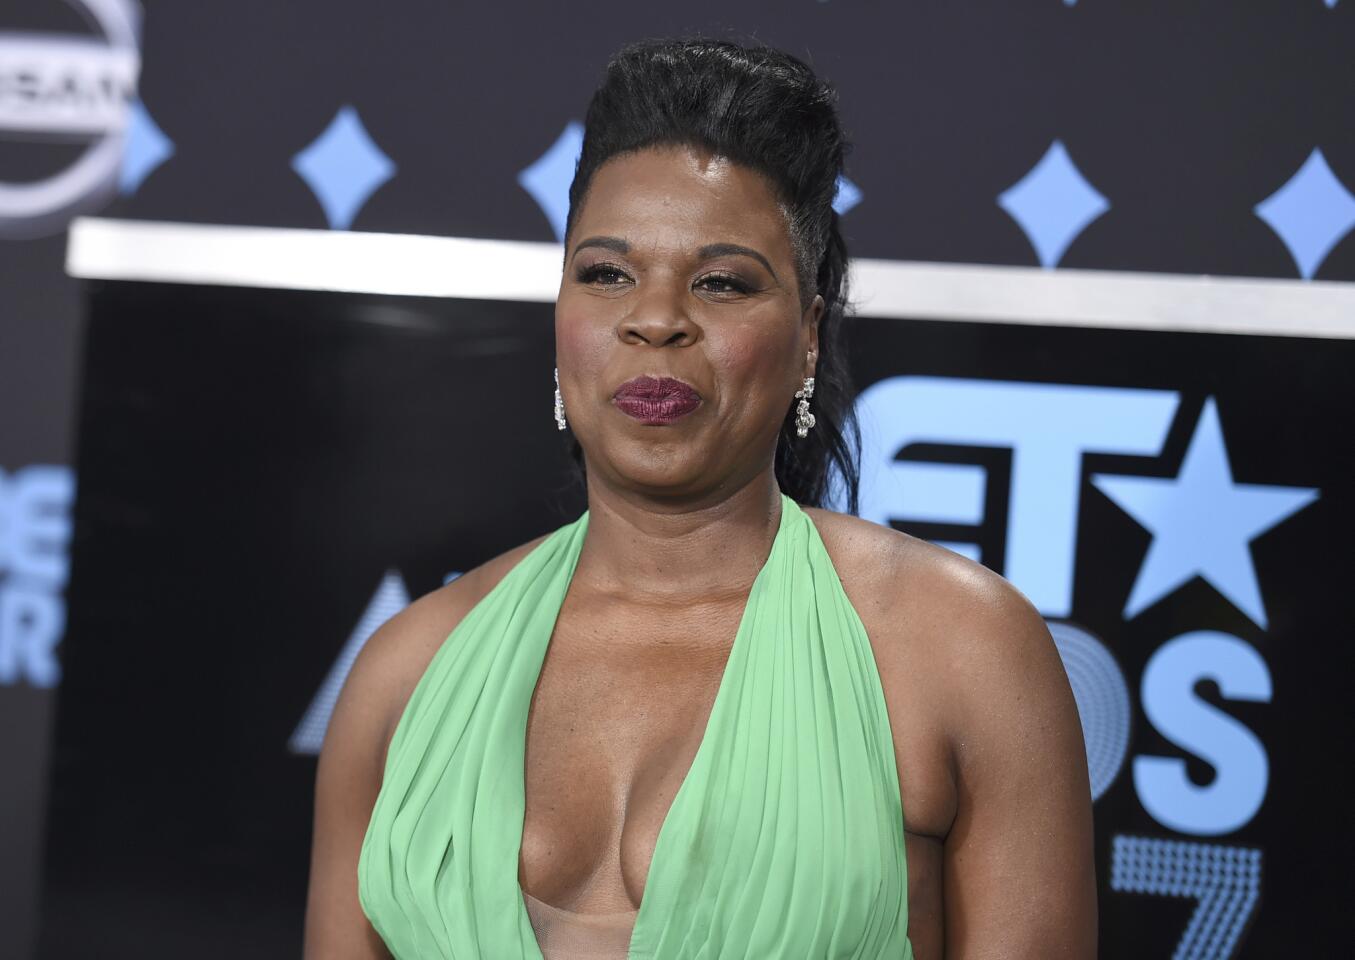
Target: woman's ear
x,y
813,314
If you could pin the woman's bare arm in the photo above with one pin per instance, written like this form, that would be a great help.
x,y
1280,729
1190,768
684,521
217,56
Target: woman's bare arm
x,y
346,785
353,759
1019,875
353,762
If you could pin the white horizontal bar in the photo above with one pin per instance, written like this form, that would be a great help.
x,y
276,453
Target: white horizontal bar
x,y
1104,298
278,258
463,268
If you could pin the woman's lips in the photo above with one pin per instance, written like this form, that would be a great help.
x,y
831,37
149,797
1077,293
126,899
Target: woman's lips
x,y
656,400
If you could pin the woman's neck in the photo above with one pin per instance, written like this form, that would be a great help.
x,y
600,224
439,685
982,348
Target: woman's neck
x,y
649,550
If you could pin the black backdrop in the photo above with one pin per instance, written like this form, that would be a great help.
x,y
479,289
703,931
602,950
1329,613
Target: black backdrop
x,y
254,462
1184,116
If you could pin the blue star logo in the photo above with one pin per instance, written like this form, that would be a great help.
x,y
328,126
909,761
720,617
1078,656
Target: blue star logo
x,y
146,148
1311,213
343,166
846,196
1053,203
1202,522
549,177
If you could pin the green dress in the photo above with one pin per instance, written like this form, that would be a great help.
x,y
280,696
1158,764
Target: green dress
x,y
785,840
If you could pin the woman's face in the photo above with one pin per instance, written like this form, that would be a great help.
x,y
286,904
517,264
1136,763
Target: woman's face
x,y
680,265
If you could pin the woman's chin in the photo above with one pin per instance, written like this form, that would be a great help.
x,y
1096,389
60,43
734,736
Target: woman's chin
x,y
663,469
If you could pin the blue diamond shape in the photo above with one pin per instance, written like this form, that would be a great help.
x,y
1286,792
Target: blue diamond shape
x,y
1053,203
1310,213
145,148
847,196
549,177
343,167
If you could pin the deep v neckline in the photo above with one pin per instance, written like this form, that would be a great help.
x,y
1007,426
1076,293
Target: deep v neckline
x,y
703,746
784,838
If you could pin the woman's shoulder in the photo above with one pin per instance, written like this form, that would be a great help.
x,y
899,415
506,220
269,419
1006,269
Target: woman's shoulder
x,y
397,654
891,571
933,613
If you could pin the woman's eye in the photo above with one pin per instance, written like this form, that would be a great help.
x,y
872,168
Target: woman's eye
x,y
717,283
602,273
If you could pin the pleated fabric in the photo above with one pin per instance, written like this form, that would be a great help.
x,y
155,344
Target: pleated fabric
x,y
785,840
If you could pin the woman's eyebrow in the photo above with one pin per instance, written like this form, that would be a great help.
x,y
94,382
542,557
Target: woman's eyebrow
x,y
724,249
607,243
709,250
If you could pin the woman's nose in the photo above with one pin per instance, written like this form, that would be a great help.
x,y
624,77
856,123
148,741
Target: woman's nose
x,y
658,317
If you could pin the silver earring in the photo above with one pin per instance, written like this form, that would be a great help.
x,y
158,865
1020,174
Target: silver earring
x,y
559,402
803,418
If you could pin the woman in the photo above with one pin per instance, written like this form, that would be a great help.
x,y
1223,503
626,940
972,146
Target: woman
x,y
702,719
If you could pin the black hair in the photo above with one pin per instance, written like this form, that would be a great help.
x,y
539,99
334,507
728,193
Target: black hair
x,y
766,110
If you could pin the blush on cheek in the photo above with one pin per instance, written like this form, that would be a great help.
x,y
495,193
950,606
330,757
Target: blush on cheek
x,y
581,344
757,362
573,332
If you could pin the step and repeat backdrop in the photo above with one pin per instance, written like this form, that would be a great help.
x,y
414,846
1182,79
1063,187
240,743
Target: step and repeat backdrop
x,y
263,267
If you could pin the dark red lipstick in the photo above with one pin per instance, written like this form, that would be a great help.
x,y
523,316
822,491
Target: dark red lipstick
x,y
656,400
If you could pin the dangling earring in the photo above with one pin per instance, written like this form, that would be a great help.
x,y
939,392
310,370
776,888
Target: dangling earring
x,y
803,418
559,402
